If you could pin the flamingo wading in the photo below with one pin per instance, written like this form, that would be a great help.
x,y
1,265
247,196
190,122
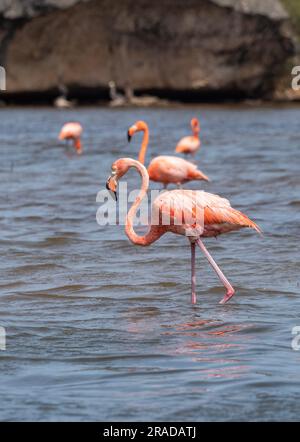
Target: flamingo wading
x,y
72,131
218,217
165,169
192,143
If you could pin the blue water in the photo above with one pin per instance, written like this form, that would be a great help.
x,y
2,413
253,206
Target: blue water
x,y
100,329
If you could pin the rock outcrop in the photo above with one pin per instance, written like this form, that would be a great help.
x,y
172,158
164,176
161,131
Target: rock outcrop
x,y
202,49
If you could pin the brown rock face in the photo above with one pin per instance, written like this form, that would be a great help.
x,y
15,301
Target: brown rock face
x,y
201,46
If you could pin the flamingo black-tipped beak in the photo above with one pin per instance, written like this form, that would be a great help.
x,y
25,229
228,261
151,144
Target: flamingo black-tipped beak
x,y
128,137
111,188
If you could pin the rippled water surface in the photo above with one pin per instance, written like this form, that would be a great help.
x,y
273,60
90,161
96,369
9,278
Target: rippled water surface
x,y
99,329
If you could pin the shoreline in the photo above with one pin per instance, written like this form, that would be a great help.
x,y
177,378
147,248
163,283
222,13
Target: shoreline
x,y
247,104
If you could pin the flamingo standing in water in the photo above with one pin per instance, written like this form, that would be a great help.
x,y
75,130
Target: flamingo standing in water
x,y
195,214
72,131
165,169
192,143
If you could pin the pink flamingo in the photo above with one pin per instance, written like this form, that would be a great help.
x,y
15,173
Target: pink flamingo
x,y
72,131
195,214
192,143
165,169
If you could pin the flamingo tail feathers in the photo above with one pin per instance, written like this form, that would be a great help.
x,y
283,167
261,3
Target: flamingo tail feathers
x,y
229,215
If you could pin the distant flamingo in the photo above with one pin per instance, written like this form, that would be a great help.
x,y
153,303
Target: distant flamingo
x,y
195,214
190,144
72,131
165,169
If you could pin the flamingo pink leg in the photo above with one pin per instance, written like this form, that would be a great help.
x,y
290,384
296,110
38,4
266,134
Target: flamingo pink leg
x,y
223,279
193,253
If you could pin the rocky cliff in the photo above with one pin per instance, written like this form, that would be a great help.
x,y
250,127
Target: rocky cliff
x,y
194,49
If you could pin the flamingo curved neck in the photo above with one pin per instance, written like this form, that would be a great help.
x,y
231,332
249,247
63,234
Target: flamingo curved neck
x,y
154,232
144,144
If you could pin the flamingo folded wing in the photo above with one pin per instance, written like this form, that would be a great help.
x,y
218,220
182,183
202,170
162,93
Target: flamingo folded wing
x,y
188,144
199,213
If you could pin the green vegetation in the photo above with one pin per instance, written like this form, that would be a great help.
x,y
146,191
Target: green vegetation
x,y
293,8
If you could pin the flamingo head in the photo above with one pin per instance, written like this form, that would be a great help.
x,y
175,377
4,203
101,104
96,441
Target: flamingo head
x,y
136,127
118,169
112,185
195,125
